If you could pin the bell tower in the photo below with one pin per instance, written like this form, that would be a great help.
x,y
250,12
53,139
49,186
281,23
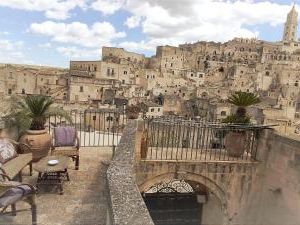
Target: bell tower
x,y
291,26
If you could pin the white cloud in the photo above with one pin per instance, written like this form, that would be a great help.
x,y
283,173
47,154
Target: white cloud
x,y
179,21
108,6
96,35
4,33
55,9
76,53
46,45
12,52
133,21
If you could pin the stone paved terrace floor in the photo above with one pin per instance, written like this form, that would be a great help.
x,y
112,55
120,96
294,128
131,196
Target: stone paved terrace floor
x,y
84,199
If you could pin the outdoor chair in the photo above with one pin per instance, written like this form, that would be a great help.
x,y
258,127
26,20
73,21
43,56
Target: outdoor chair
x,y
12,192
65,142
12,159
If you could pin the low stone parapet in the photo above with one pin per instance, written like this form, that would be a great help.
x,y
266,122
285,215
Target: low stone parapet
x,y
126,205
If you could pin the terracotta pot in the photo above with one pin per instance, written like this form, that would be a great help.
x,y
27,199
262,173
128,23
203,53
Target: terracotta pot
x,y
39,142
235,143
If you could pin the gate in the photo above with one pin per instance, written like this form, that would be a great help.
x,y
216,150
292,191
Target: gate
x,y
174,208
173,203
96,128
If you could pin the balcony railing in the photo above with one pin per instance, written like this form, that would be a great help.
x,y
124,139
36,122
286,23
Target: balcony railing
x,y
101,127
178,139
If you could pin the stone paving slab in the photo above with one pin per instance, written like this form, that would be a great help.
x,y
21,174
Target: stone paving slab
x,y
84,201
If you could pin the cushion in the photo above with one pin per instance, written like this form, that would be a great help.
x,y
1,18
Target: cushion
x,y
64,136
7,151
14,194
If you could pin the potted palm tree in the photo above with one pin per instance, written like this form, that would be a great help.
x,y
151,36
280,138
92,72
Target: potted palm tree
x,y
235,140
29,115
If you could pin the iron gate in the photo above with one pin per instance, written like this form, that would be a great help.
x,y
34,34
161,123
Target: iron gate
x,y
173,202
174,208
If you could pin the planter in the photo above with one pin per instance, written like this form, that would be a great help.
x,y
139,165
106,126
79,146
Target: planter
x,y
235,143
144,145
39,142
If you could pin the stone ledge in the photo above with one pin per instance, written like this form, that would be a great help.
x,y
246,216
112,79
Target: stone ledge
x,y
127,206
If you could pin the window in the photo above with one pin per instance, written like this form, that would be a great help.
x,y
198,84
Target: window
x,y
56,82
158,109
81,89
108,72
23,91
95,68
125,72
152,110
223,113
109,118
9,91
171,64
112,72
94,118
123,81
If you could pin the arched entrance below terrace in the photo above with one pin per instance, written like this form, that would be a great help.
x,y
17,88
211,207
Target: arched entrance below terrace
x,y
189,199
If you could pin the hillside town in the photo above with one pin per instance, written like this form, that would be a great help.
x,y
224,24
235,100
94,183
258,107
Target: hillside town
x,y
191,80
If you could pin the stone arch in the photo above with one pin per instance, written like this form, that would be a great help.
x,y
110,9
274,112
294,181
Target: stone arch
x,y
212,186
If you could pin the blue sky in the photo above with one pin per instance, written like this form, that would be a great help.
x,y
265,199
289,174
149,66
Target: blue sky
x,y
53,32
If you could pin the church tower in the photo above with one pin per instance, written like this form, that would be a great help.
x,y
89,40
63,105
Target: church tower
x,y
291,26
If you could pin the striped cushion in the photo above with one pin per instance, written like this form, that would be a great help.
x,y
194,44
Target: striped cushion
x,y
14,194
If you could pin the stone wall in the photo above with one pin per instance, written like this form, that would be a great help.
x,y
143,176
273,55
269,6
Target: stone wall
x,y
126,203
274,198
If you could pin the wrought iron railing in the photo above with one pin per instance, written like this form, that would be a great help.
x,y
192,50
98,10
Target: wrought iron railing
x,y
175,138
101,127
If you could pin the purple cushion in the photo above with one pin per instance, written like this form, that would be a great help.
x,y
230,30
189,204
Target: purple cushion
x,y
7,151
64,136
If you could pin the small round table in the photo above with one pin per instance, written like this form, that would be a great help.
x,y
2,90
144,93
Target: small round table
x,y
52,174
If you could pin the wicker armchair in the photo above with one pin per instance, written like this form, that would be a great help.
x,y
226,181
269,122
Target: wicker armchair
x,y
12,192
71,149
14,167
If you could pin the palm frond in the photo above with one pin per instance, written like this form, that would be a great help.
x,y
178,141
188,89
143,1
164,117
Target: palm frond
x,y
31,112
243,99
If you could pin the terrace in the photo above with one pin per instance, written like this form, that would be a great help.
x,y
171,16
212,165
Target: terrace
x,y
84,200
111,187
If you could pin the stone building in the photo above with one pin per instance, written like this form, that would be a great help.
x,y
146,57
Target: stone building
x,y
205,70
24,79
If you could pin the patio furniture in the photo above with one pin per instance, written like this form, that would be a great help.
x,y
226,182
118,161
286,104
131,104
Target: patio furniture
x,y
66,142
52,174
12,192
14,166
